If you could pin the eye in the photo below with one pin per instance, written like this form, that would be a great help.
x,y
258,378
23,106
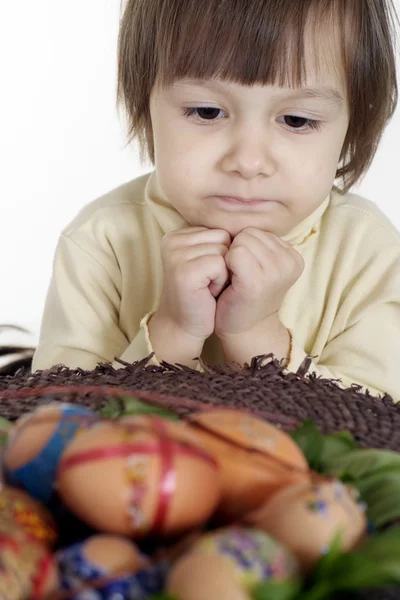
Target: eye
x,y
204,113
301,124
207,115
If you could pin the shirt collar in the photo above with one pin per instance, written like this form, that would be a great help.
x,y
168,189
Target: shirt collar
x,y
170,219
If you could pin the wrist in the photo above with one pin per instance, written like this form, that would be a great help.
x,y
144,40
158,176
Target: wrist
x,y
171,343
270,336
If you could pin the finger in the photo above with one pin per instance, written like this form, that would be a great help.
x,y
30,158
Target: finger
x,y
188,253
243,265
262,249
207,270
199,235
275,245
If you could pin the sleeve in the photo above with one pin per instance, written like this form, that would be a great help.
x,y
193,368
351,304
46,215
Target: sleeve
x,y
80,323
366,353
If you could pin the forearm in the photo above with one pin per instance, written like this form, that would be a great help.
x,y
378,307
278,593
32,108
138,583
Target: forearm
x,y
171,344
270,337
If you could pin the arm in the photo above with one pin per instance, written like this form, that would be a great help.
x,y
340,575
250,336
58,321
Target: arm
x,y
80,324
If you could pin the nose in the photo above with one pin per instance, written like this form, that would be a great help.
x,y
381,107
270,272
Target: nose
x,y
250,153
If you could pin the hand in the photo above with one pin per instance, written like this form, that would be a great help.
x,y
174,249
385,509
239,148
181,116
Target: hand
x,y
263,268
194,275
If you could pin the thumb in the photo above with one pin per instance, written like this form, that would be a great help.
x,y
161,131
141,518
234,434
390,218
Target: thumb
x,y
218,285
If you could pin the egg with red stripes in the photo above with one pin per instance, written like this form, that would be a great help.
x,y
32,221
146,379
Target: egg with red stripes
x,y
131,481
28,568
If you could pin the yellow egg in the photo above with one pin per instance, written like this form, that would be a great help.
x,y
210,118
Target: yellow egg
x,y
306,518
136,482
17,509
204,577
28,570
253,555
248,478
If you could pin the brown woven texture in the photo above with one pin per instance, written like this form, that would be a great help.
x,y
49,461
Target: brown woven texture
x,y
263,387
285,398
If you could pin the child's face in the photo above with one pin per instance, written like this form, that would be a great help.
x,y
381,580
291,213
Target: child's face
x,y
251,142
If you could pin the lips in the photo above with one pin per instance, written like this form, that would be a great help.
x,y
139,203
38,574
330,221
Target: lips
x,y
238,200
244,199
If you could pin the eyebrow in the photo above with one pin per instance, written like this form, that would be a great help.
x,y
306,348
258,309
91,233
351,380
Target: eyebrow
x,y
327,94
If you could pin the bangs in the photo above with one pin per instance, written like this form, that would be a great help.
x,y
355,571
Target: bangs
x,y
250,42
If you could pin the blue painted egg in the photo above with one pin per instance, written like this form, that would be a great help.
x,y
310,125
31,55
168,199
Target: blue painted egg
x,y
114,567
35,445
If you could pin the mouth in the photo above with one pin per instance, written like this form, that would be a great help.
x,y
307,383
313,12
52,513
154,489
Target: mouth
x,y
243,201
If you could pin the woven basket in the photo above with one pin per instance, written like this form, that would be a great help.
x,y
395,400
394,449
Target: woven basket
x,y
282,398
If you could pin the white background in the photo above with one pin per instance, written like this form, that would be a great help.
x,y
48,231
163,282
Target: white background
x,y
62,143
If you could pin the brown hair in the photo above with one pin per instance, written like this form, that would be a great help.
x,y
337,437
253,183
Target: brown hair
x,y
255,41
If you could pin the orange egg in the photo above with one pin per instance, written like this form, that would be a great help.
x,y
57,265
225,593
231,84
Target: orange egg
x,y
180,431
204,576
28,570
255,458
307,517
17,509
136,482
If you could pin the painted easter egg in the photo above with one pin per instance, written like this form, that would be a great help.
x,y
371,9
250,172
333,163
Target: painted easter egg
x,y
307,517
113,565
255,458
135,482
253,555
18,509
36,442
28,569
197,576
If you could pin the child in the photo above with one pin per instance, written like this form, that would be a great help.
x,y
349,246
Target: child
x,y
267,102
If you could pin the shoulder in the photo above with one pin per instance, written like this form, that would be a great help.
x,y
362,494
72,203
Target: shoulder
x,y
118,207
360,217
361,212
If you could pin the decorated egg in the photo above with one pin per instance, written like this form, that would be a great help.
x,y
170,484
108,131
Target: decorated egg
x,y
198,576
253,555
28,569
135,482
307,517
17,509
35,445
113,565
255,458
180,431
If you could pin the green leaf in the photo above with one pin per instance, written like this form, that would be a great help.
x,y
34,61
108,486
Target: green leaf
x,y
311,441
327,563
4,427
357,464
376,563
381,494
319,449
130,405
382,546
276,590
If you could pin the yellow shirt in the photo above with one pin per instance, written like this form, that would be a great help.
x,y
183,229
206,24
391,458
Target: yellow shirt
x,y
344,310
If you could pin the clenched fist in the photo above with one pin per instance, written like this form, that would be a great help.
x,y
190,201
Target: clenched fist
x,y
263,268
194,275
